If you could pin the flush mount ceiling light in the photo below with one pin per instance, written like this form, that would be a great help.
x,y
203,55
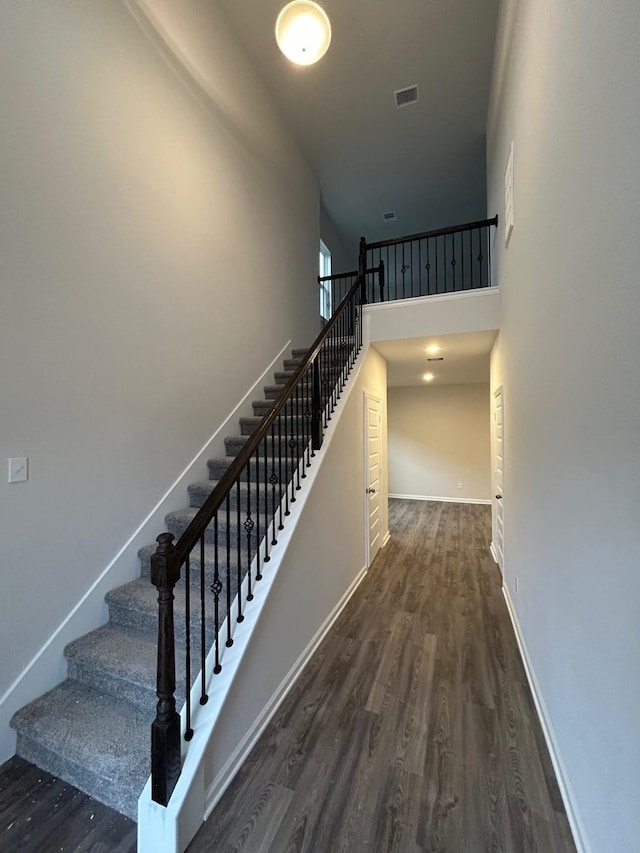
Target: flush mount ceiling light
x,y
303,32
428,377
432,349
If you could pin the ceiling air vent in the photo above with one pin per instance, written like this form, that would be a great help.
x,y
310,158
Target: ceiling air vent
x,y
390,216
407,96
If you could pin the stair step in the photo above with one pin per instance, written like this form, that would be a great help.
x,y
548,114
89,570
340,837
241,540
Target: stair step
x,y
263,407
235,443
121,663
282,466
177,522
299,352
144,555
96,742
260,497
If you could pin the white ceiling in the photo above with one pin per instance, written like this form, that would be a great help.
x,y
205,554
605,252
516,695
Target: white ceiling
x,y
425,161
466,359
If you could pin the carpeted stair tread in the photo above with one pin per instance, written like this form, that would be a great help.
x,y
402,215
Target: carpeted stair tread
x,y
121,663
257,495
96,742
178,521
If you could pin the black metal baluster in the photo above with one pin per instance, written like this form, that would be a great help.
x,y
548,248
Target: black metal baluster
x,y
453,260
420,268
480,254
229,642
273,479
299,435
411,264
316,407
258,516
216,589
464,284
281,525
488,238
284,448
428,268
249,525
437,277
289,446
203,640
239,549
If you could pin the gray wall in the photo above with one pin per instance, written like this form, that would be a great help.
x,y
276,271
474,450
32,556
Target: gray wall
x,y
439,437
565,90
159,237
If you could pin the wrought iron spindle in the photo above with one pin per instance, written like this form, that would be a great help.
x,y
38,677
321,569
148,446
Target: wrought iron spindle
x,y
281,524
187,644
428,267
480,254
229,642
216,589
240,617
299,434
248,525
258,517
453,261
204,698
284,448
273,479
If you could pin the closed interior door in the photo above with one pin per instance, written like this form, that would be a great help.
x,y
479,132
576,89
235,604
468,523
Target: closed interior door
x,y
498,478
372,421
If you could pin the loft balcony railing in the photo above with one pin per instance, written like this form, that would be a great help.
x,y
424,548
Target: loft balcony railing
x,y
447,260
333,288
222,554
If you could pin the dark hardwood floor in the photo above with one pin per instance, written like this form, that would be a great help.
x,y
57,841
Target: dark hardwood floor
x,y
42,814
413,728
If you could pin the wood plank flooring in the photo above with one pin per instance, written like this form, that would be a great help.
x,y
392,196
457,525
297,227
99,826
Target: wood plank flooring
x,y
42,814
412,729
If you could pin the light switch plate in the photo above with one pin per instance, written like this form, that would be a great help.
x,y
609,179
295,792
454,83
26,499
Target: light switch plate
x,y
19,469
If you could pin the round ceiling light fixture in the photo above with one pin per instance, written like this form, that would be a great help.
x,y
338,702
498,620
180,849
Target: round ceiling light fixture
x,y
303,32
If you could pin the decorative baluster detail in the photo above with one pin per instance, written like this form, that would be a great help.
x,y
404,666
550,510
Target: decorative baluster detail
x,y
240,617
216,589
258,517
249,524
165,730
204,698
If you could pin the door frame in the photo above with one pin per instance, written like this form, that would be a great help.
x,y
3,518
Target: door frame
x,y
366,396
494,501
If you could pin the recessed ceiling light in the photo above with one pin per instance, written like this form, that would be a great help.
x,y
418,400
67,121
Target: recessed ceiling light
x,y
303,32
428,377
432,349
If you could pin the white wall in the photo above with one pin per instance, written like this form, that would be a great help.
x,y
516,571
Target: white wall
x,y
439,437
565,90
159,237
344,255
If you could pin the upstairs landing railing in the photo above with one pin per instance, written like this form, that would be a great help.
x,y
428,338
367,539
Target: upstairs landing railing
x,y
335,287
223,552
447,260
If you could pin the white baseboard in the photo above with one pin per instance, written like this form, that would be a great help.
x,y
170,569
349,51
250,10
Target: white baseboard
x,y
566,791
227,772
482,501
47,667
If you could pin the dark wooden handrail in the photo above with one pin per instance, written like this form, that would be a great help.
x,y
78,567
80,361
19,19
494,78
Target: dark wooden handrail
x,y
439,232
205,514
343,275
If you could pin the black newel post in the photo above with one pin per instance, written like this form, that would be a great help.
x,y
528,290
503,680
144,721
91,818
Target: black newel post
x,y
316,407
165,730
381,280
362,270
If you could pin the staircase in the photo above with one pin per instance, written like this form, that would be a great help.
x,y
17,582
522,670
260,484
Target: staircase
x,y
93,730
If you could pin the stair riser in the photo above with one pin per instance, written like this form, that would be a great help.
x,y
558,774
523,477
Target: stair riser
x,y
259,499
142,695
146,621
121,797
218,467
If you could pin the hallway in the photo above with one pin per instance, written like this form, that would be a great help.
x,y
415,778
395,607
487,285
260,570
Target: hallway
x,y
413,728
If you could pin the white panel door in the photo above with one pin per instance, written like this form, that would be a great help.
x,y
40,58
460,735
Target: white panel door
x,y
372,426
498,477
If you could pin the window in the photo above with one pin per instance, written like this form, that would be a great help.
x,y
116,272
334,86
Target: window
x,y
325,286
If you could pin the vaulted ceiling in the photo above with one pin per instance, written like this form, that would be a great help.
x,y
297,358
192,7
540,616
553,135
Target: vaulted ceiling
x,y
426,161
